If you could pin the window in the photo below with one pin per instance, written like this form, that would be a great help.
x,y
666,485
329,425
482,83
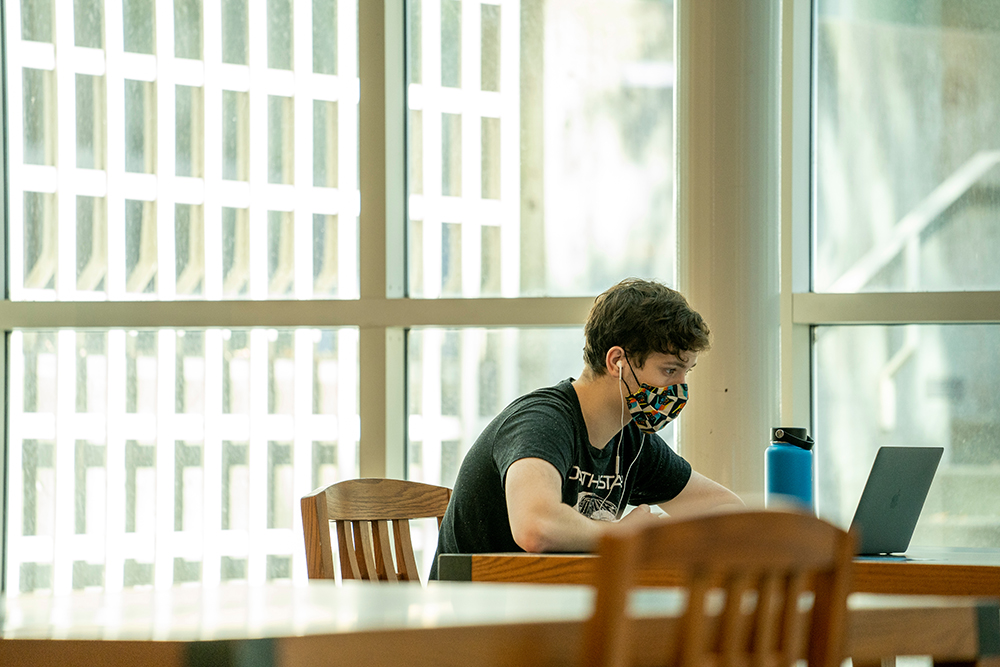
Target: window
x,y
163,153
905,201
174,157
221,296
146,457
540,142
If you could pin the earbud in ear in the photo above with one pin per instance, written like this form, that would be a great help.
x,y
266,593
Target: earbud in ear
x,y
619,364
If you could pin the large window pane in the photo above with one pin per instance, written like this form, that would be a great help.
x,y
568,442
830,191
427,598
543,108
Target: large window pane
x,y
459,379
914,385
907,147
135,155
540,145
172,456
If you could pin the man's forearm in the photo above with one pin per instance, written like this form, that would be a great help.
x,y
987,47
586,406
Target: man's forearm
x,y
561,528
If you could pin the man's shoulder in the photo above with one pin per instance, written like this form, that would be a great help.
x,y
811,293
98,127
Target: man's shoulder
x,y
558,398
559,393
547,415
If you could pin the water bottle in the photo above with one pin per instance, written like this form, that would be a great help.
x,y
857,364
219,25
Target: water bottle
x,y
788,469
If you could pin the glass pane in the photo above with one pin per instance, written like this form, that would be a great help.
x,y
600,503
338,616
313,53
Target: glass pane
x,y
906,146
540,146
163,457
914,385
177,141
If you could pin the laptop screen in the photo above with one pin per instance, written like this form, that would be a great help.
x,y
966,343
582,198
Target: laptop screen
x,y
893,497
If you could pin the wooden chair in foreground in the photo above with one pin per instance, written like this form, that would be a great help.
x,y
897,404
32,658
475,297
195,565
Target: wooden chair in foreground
x,y
755,567
363,511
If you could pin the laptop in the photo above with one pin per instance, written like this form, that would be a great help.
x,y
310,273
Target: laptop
x,y
894,495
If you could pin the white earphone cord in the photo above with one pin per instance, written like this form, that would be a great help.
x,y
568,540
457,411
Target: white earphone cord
x,y
618,448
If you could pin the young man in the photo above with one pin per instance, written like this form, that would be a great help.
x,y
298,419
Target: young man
x,y
558,465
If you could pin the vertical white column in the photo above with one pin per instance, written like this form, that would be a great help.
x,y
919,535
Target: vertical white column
x,y
14,507
510,374
395,170
510,147
728,234
114,50
65,104
430,23
472,162
348,423
257,456
257,19
14,195
303,103
349,198
473,348
430,387
65,462
166,151
211,568
302,442
114,559
165,460
212,18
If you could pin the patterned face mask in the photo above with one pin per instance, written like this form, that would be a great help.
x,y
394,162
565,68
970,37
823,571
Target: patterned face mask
x,y
651,407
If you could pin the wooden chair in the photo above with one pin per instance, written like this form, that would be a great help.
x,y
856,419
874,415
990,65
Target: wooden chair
x,y
760,562
363,511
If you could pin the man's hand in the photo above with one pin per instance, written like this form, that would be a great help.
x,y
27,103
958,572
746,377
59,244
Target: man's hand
x,y
540,521
640,515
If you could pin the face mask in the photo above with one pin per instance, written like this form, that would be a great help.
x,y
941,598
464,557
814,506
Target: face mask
x,y
651,407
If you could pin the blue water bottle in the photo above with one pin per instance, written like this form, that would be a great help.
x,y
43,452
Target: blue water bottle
x,y
788,469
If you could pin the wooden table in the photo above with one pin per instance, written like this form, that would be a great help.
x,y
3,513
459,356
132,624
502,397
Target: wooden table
x,y
445,623
925,571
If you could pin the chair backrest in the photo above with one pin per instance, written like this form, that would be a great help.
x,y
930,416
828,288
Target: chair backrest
x,y
363,512
763,564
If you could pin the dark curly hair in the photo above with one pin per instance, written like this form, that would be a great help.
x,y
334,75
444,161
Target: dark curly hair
x,y
642,317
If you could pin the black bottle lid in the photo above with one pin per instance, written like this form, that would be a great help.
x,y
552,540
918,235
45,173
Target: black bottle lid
x,y
792,435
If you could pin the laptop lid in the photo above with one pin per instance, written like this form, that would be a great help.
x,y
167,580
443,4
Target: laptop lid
x,y
894,495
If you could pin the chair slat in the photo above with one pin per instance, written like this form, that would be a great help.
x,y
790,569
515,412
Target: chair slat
x,y
793,620
349,566
382,549
405,558
365,550
695,621
768,621
734,629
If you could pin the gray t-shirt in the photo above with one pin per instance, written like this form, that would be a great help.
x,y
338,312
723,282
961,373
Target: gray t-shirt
x,y
548,424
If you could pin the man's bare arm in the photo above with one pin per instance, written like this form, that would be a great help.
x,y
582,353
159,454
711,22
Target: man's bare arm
x,y
701,495
540,521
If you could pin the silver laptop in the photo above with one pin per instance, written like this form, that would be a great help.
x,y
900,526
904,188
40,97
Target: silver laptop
x,y
894,495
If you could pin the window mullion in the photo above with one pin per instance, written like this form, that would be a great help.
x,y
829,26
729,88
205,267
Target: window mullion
x,y
795,341
896,308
